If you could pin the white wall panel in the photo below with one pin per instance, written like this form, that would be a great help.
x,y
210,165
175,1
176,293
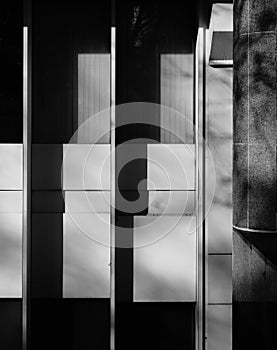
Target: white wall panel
x,y
165,270
87,202
171,167
86,167
86,270
171,202
11,167
10,201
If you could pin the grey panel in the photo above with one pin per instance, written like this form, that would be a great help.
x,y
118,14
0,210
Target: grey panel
x,y
11,167
177,94
220,279
86,271
220,327
10,255
171,167
93,97
165,269
220,229
86,167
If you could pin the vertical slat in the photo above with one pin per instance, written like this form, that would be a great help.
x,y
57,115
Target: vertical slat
x,y
112,186
26,185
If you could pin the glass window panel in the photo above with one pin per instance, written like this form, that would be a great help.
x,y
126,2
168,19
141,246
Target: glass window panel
x,y
10,255
171,167
86,270
165,270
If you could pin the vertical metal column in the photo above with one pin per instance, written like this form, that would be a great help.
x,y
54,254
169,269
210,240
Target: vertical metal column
x,y
26,217
200,130
112,189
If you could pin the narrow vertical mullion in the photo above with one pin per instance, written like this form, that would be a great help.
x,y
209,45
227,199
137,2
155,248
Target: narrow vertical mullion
x,y
200,101
112,188
26,217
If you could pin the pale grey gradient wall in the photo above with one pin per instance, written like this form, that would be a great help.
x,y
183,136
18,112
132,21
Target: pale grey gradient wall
x,y
219,220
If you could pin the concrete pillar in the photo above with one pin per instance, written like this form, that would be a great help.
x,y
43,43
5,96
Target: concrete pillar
x,y
254,174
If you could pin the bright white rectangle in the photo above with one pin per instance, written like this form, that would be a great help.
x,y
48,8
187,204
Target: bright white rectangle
x,y
92,202
171,167
86,167
11,167
220,327
171,202
10,201
10,255
86,257
165,269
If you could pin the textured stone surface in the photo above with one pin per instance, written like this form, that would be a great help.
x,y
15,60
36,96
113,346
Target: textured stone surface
x,y
262,15
240,17
262,87
248,269
262,187
240,184
254,325
254,276
240,87
254,255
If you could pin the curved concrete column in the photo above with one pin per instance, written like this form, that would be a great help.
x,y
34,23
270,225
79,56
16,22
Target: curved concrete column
x,y
254,174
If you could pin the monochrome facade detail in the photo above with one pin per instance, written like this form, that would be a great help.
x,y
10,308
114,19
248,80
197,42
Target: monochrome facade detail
x,y
138,174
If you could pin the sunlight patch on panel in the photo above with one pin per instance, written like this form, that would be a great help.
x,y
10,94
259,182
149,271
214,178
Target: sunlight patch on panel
x,y
165,270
